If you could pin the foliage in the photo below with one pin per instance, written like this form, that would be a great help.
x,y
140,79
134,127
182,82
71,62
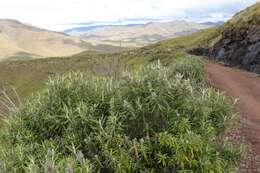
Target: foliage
x,y
151,120
191,68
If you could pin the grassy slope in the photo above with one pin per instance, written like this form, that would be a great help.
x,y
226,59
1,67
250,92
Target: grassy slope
x,y
29,76
249,16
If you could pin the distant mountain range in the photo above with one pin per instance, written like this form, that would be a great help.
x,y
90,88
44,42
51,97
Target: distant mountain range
x,y
136,35
23,41
93,26
77,30
213,24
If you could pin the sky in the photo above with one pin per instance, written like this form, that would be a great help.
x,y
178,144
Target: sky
x,y
63,14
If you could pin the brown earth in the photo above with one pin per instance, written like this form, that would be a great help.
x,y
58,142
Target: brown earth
x,y
246,87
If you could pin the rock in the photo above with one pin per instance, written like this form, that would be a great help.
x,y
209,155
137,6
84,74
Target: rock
x,y
255,68
239,47
255,36
220,54
200,51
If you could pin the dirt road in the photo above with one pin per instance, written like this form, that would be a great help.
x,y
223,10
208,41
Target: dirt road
x,y
245,86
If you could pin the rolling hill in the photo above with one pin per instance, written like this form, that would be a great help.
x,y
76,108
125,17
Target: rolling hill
x,y
29,76
20,40
137,35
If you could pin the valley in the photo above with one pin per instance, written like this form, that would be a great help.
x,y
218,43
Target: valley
x,y
137,35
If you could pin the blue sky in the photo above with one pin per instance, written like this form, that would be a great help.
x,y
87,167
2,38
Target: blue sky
x,y
60,14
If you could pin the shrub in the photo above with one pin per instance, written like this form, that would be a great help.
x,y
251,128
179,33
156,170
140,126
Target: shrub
x,y
191,68
151,120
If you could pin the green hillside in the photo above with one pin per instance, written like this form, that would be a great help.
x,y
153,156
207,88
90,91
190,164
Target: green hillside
x,y
28,76
247,17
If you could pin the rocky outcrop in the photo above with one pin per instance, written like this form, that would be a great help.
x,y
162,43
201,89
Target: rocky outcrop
x,y
200,51
237,42
239,47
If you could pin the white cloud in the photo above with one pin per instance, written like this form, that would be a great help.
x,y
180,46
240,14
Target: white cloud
x,y
49,13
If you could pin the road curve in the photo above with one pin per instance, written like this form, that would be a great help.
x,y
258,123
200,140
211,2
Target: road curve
x,y
245,86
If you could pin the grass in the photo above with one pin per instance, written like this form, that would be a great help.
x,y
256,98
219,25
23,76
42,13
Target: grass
x,y
29,76
154,119
247,17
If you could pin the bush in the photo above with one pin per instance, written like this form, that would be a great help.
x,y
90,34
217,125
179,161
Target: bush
x,y
191,68
149,121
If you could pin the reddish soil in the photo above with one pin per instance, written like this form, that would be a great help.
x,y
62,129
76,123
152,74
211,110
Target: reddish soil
x,y
246,87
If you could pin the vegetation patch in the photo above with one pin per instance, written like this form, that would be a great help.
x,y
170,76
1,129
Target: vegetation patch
x,y
190,68
154,119
246,18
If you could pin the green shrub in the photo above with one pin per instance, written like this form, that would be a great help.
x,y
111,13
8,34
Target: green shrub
x,y
191,68
151,120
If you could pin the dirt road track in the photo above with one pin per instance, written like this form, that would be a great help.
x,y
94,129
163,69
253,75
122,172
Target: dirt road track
x,y
246,87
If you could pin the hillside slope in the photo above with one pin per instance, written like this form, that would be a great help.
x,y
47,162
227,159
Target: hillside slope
x,y
20,40
240,40
139,35
29,76
237,43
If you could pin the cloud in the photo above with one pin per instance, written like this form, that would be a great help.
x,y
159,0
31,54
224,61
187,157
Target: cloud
x,y
50,13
